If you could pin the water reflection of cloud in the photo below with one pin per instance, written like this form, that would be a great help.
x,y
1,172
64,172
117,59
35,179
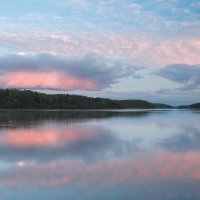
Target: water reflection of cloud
x,y
152,171
93,158
38,138
46,144
187,140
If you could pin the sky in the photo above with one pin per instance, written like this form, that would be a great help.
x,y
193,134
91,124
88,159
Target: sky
x,y
130,49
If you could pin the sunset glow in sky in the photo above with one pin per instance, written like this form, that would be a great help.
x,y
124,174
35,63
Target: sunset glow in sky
x,y
121,49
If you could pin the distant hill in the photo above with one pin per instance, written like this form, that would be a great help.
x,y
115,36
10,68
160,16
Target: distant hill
x,y
162,106
135,104
192,106
195,106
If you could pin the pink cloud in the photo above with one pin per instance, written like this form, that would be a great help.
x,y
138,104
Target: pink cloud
x,y
45,71
143,49
51,80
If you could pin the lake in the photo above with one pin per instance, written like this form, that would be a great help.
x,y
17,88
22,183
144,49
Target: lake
x,y
101,155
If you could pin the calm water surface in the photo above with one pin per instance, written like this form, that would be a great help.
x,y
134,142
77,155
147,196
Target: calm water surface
x,y
101,155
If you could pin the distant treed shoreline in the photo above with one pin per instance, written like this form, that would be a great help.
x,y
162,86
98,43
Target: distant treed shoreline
x,y
27,99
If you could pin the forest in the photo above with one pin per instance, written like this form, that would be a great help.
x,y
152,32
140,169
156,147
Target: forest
x,y
27,99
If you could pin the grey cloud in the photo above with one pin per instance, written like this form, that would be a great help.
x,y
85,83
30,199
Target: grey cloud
x,y
187,75
99,70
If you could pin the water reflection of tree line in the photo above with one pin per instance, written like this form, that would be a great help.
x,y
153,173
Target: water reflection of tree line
x,y
24,118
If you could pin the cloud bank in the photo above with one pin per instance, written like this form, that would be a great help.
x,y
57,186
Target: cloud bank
x,y
187,75
44,71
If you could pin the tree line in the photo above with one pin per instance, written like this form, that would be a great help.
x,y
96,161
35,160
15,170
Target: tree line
x,y
27,99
